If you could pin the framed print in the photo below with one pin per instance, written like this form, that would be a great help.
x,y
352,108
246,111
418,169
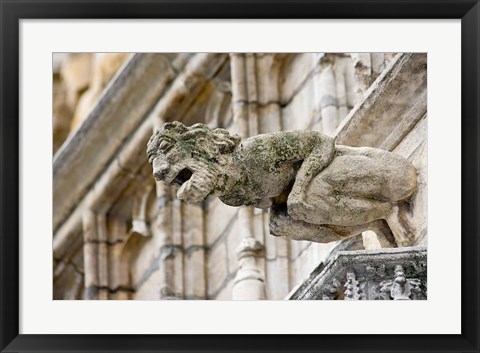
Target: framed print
x,y
239,177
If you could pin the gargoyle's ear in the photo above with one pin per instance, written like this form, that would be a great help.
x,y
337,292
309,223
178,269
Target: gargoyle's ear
x,y
176,126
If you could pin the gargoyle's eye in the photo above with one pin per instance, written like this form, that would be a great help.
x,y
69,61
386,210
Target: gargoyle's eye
x,y
165,146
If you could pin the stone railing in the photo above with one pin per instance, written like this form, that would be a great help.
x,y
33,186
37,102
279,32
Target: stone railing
x,y
385,274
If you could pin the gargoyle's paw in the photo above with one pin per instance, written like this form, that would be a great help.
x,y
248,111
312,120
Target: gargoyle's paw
x,y
298,210
275,228
279,225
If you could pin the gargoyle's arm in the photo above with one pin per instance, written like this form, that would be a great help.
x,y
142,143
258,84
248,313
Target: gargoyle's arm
x,y
319,158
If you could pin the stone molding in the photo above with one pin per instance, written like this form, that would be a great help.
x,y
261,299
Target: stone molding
x,y
385,274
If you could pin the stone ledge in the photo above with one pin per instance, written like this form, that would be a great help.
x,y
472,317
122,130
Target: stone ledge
x,y
391,107
123,104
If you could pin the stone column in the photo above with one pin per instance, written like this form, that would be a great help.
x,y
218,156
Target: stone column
x,y
328,99
245,117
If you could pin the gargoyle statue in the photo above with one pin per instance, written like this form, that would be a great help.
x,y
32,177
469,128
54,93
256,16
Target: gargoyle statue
x,y
316,190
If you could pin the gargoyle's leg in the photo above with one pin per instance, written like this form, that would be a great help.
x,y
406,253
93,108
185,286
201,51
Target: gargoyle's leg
x,y
338,209
401,225
281,224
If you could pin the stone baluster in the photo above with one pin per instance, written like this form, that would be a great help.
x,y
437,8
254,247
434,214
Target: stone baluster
x,y
249,283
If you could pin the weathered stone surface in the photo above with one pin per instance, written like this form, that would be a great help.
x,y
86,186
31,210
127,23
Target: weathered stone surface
x,y
195,276
217,268
79,161
386,274
219,219
315,190
277,278
387,102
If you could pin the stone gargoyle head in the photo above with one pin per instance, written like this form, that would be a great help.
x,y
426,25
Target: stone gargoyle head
x,y
190,157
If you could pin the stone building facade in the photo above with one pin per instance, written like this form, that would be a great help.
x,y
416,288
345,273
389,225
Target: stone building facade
x,y
118,234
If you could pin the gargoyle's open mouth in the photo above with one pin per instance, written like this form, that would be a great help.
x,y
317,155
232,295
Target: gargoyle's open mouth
x,y
184,175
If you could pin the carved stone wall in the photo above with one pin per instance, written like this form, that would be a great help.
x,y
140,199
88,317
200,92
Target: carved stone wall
x,y
120,235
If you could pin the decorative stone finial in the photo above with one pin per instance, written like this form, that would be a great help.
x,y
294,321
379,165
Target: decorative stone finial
x,y
315,190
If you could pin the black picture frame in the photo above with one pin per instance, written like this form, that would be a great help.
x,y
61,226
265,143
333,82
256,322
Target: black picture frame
x,y
12,11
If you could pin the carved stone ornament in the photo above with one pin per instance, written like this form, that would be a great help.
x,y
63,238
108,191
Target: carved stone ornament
x,y
315,190
381,274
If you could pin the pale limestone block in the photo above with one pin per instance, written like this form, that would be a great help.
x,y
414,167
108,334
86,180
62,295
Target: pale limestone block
x,y
147,254
84,106
90,259
103,294
177,235
195,281
216,267
105,66
317,126
68,285
103,264
234,238
342,113
339,69
414,147
297,247
370,240
378,63
277,278
192,218
387,103
258,225
282,246
150,289
107,189
326,85
329,120
117,230
239,84
326,88
270,118
178,273
62,113
118,267
89,222
297,69
350,82
218,108
270,246
132,156
167,276
218,218
267,78
77,71
299,113
363,73
226,292
77,259
102,235
320,252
